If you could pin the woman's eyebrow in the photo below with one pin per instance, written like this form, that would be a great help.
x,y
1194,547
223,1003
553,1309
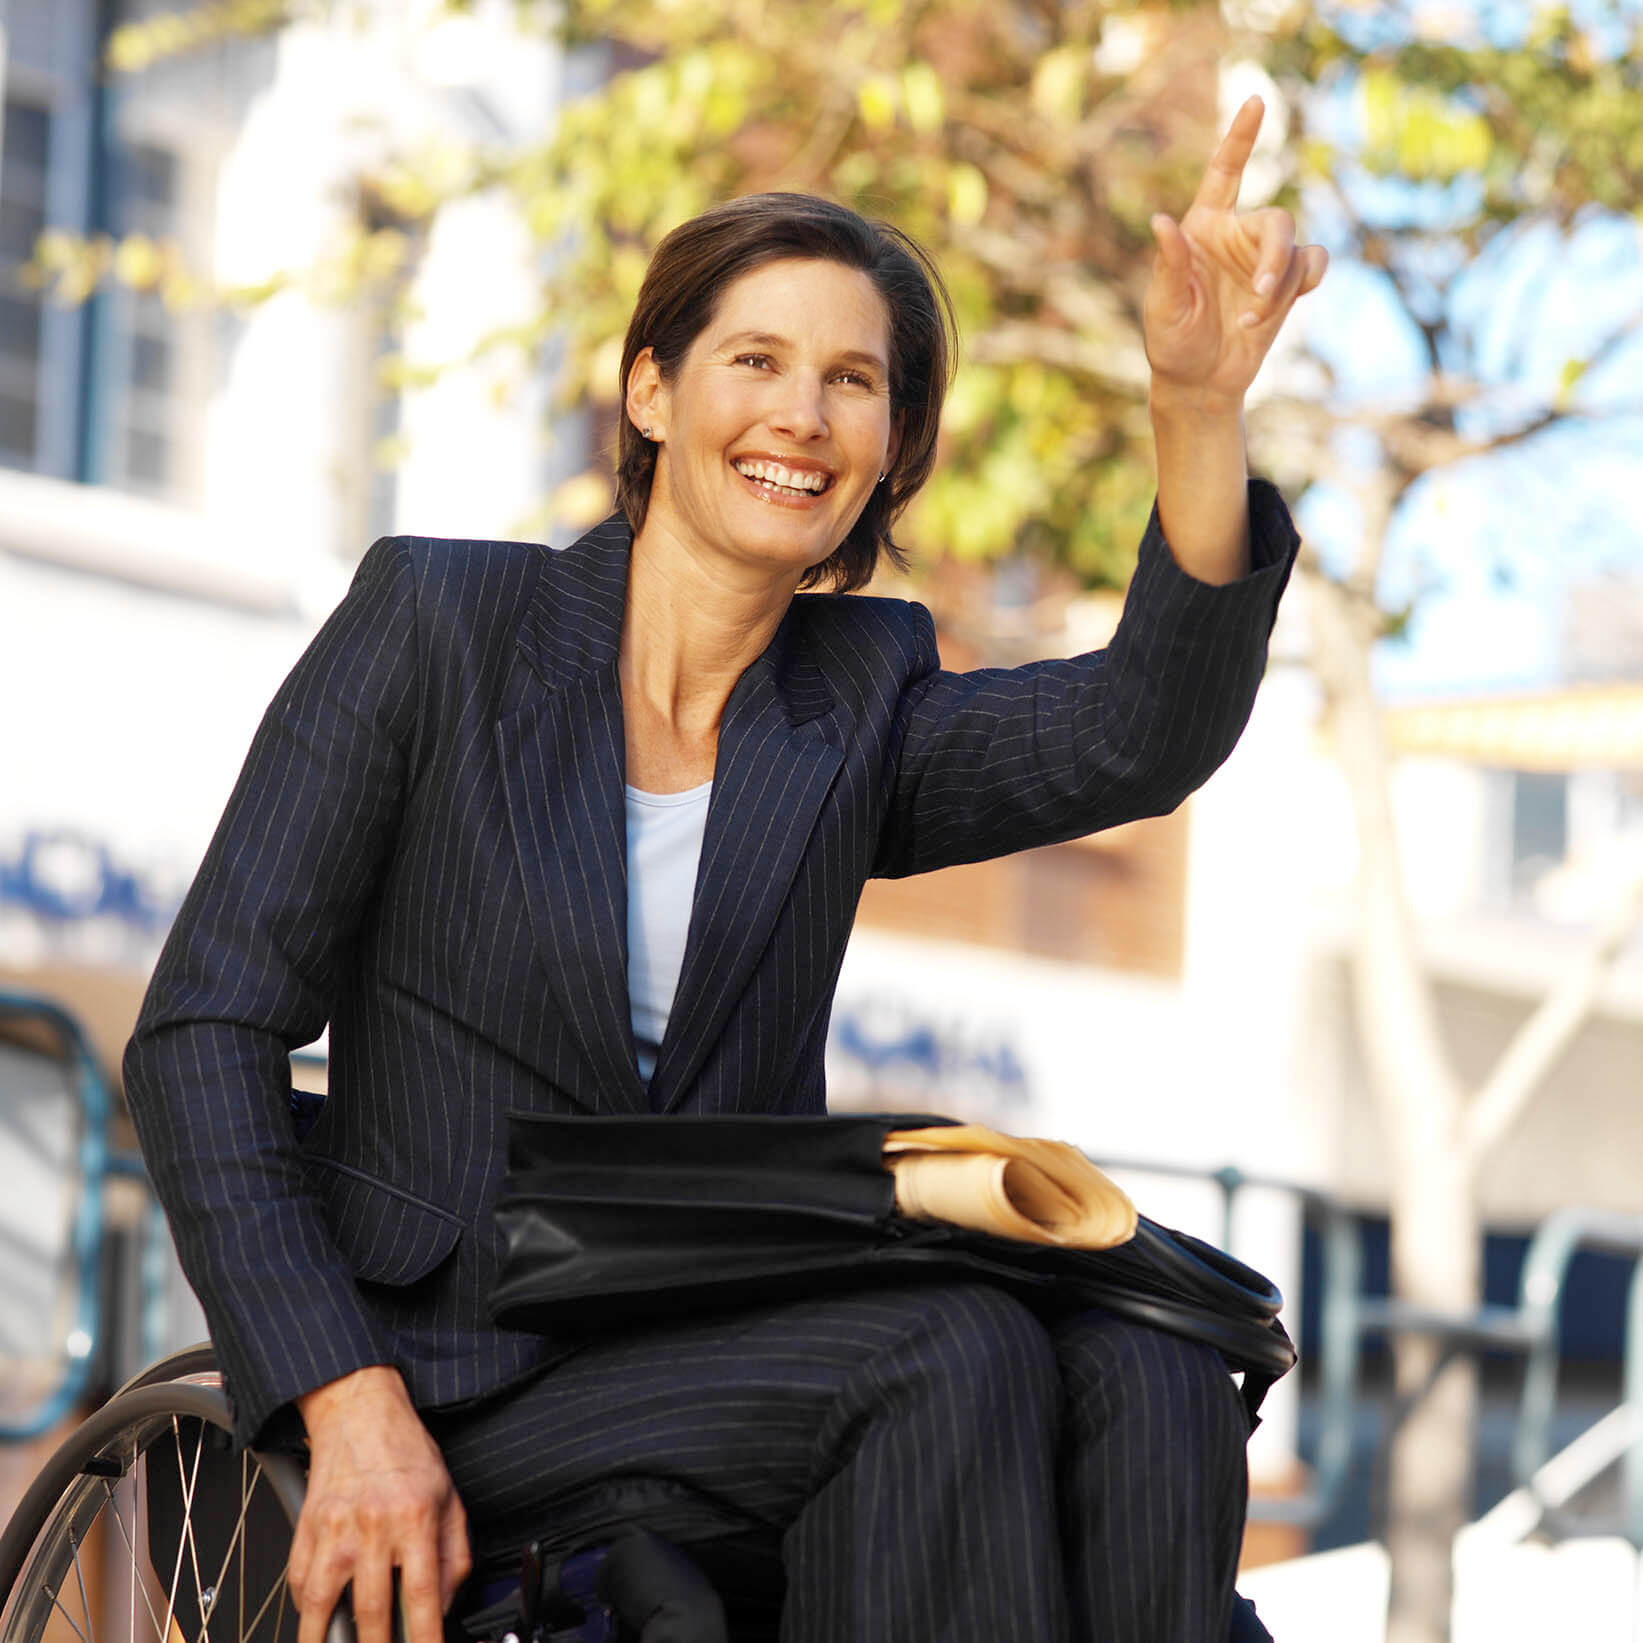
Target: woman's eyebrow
x,y
768,339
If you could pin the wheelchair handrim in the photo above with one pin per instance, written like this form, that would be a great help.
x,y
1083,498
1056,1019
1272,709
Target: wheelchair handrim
x,y
43,1539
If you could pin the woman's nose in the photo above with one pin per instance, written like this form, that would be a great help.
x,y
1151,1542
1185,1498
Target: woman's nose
x,y
801,413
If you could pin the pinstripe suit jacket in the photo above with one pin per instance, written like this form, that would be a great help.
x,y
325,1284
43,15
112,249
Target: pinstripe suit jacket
x,y
426,850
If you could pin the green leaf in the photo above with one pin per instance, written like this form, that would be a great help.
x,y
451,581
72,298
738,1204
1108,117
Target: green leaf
x,y
1061,82
877,99
924,98
1420,132
967,195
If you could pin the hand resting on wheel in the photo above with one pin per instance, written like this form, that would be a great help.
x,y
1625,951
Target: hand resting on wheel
x,y
379,1500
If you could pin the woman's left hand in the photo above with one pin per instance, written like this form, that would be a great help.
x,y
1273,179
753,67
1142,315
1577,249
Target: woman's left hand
x,y
1223,280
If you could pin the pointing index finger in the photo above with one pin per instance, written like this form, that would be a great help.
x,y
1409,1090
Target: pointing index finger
x,y
1219,189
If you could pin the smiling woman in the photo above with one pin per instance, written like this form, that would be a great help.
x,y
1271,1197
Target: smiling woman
x,y
897,348
584,832
770,441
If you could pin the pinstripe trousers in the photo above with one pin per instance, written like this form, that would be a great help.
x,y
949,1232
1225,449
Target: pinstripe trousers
x,y
924,1464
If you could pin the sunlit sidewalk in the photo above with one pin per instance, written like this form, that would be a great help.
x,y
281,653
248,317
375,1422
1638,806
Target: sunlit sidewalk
x,y
1511,1582
1585,1590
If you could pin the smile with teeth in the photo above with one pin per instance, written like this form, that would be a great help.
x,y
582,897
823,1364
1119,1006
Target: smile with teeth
x,y
772,476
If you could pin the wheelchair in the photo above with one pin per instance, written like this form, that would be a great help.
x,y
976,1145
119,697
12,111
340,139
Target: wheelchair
x,y
145,1527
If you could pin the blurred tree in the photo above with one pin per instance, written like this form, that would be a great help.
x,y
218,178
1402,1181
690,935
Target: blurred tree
x,y
1438,143
1027,147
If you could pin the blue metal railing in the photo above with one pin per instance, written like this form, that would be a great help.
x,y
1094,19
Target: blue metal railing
x,y
1559,1239
86,1332
1348,1318
95,1160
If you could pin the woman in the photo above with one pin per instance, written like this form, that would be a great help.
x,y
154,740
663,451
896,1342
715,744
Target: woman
x,y
585,831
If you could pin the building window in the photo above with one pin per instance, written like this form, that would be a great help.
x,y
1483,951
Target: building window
x,y
142,363
97,392
1540,825
24,154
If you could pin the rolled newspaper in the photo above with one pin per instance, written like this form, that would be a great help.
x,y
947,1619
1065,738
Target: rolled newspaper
x,y
1042,1192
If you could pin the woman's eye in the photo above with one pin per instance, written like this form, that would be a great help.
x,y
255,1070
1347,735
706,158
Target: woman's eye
x,y
758,360
857,379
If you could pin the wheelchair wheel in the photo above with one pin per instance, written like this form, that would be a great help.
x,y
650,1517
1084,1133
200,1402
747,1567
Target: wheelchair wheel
x,y
146,1527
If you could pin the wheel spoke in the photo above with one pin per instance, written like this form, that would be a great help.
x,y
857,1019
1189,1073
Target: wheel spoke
x,y
140,1509
137,1583
188,1518
245,1496
285,1588
80,1581
193,1544
236,1540
282,1586
131,1594
57,1604
131,1544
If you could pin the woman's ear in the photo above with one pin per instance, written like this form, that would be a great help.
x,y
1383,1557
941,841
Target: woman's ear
x,y
647,395
892,448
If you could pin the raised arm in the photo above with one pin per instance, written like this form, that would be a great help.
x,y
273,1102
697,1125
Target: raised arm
x,y
1003,760
1006,759
1222,285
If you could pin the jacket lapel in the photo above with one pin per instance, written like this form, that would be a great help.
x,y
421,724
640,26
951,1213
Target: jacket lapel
x,y
778,756
563,761
564,764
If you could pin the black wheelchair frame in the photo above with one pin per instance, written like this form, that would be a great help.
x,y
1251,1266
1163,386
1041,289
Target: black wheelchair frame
x,y
97,1547
144,1526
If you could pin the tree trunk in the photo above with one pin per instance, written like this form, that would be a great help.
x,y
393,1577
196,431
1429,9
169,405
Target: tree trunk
x,y
1435,1230
1436,1239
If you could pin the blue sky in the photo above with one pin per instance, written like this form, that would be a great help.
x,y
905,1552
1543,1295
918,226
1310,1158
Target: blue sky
x,y
1485,551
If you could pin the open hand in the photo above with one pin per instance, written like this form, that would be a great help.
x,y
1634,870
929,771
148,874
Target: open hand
x,y
1223,280
379,1502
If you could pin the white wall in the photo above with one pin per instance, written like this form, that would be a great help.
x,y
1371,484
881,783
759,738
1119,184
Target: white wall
x,y
140,641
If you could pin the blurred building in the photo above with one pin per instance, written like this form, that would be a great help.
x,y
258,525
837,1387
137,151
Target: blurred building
x,y
183,494
1522,823
184,489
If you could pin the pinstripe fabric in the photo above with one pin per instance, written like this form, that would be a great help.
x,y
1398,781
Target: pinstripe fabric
x,y
929,1463
425,848
1153,1483
897,1449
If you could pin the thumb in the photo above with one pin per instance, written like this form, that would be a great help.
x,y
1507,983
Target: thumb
x,y
1172,269
1174,256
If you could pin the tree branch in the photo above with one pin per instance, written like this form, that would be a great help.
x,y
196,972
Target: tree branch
x,y
1119,365
1410,1072
1540,1042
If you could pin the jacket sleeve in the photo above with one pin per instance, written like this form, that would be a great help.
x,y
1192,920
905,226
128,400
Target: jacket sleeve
x,y
1006,759
245,977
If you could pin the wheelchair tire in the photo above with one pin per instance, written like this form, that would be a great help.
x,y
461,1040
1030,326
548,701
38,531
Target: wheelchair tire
x,y
188,1363
145,1527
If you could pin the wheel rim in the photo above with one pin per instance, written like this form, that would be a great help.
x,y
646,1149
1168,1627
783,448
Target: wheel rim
x,y
163,1535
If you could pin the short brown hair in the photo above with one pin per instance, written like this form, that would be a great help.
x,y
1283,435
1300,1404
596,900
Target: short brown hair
x,y
700,259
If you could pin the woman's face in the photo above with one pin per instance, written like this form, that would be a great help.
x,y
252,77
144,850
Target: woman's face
x,y
777,424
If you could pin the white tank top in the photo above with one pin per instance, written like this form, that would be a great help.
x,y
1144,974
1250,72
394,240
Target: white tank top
x,y
664,849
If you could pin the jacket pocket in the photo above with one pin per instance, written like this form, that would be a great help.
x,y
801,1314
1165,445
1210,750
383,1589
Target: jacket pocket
x,y
386,1234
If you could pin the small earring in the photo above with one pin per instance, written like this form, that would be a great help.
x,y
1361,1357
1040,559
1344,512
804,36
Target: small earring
x,y
646,432
881,479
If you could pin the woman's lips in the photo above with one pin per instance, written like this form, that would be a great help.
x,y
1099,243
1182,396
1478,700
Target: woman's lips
x,y
779,495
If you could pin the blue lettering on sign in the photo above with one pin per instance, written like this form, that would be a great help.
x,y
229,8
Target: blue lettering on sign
x,y
902,1044
63,876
